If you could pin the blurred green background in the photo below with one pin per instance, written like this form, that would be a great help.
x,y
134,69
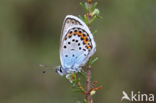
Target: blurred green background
x,y
29,36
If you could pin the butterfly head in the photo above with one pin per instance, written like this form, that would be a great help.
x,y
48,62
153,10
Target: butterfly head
x,y
60,71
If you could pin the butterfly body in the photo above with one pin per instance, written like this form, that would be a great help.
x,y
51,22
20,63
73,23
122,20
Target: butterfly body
x,y
76,45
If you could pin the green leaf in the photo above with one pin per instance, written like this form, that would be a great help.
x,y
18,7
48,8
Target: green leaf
x,y
82,74
93,6
84,7
92,20
99,17
96,12
79,79
85,101
86,19
93,92
95,31
92,61
89,62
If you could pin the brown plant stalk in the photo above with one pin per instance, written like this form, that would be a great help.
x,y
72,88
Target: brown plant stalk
x,y
88,80
88,85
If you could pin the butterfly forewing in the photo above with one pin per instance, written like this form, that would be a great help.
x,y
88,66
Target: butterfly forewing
x,y
69,21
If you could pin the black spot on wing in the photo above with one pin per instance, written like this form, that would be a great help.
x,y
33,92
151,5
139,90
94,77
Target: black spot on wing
x,y
65,46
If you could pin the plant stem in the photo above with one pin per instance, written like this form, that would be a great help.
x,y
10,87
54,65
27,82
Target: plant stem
x,y
88,84
88,80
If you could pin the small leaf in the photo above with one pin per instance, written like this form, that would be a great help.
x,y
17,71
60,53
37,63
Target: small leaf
x,y
95,89
79,79
84,7
96,12
85,101
93,19
92,92
69,77
89,62
82,74
95,82
86,19
99,17
93,6
94,60
95,31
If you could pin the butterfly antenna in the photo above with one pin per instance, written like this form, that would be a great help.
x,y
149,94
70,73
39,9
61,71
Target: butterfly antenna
x,y
46,67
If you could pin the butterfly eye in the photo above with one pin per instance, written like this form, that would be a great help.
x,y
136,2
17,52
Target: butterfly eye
x,y
60,70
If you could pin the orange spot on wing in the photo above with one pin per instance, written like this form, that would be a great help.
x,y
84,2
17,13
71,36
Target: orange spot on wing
x,y
88,46
75,32
80,34
86,42
70,34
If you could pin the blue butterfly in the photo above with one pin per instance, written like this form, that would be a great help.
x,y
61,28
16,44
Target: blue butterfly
x,y
77,45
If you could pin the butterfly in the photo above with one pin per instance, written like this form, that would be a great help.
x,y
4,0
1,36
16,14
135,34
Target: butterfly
x,y
77,45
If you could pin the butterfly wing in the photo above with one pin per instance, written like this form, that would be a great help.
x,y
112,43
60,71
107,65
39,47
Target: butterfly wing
x,y
70,21
77,44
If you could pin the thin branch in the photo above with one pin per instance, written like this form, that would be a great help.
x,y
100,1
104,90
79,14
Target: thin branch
x,y
88,84
88,80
